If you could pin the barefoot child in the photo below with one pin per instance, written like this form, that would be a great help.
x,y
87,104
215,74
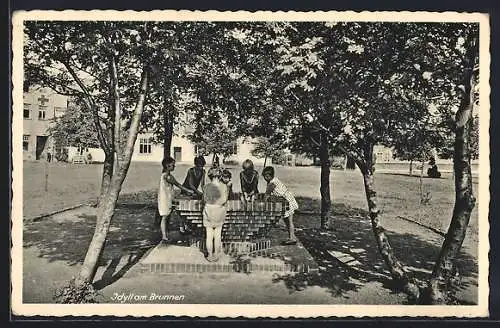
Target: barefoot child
x,y
276,188
166,195
215,195
249,180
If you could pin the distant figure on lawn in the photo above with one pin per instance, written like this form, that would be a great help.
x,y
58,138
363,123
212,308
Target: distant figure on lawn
x,y
215,195
432,171
276,188
216,161
166,195
249,180
195,176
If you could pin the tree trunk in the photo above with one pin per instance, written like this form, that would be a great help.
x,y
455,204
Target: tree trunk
x,y
168,127
326,200
107,174
464,197
265,160
411,167
351,165
395,267
106,210
421,182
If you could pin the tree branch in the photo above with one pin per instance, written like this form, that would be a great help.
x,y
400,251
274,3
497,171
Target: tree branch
x,y
90,103
136,118
116,107
314,141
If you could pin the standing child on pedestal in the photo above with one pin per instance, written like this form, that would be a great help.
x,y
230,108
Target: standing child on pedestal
x,y
215,195
166,195
226,179
249,180
276,188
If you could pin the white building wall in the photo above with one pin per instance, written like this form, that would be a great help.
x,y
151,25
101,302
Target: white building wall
x,y
181,149
244,151
34,126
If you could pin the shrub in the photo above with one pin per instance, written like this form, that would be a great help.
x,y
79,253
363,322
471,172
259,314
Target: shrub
x,y
61,155
76,294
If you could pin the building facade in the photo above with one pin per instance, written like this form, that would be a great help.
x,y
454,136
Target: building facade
x,y
183,150
40,108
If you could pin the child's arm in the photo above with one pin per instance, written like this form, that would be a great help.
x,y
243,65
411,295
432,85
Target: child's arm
x,y
170,179
242,184
203,180
269,190
255,183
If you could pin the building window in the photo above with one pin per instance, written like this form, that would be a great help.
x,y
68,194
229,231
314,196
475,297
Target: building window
x,y
26,142
27,111
235,148
42,107
42,111
145,146
59,111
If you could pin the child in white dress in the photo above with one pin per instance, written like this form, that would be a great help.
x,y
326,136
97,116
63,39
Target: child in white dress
x,y
166,195
276,188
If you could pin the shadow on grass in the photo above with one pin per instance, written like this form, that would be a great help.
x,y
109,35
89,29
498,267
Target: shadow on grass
x,y
133,231
356,260
444,175
110,276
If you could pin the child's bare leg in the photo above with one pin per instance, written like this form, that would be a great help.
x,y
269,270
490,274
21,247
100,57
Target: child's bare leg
x,y
210,241
218,241
287,224
164,226
291,228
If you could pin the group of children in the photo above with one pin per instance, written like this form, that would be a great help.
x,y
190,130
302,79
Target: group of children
x,y
215,195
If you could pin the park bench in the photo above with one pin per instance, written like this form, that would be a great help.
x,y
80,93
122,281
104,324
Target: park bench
x,y
243,223
79,159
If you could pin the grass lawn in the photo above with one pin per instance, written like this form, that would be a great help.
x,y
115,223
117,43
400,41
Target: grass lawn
x,y
398,194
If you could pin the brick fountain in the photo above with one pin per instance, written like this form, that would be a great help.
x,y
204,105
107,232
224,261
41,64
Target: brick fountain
x,y
251,242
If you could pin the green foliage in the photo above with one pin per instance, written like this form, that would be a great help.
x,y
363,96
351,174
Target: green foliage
x,y
74,128
213,136
266,148
61,154
74,293
368,83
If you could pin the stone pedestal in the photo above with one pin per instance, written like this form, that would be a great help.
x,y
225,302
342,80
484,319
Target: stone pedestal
x,y
171,259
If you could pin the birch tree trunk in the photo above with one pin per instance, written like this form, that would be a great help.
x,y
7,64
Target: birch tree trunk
x,y
107,173
464,198
396,269
106,210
